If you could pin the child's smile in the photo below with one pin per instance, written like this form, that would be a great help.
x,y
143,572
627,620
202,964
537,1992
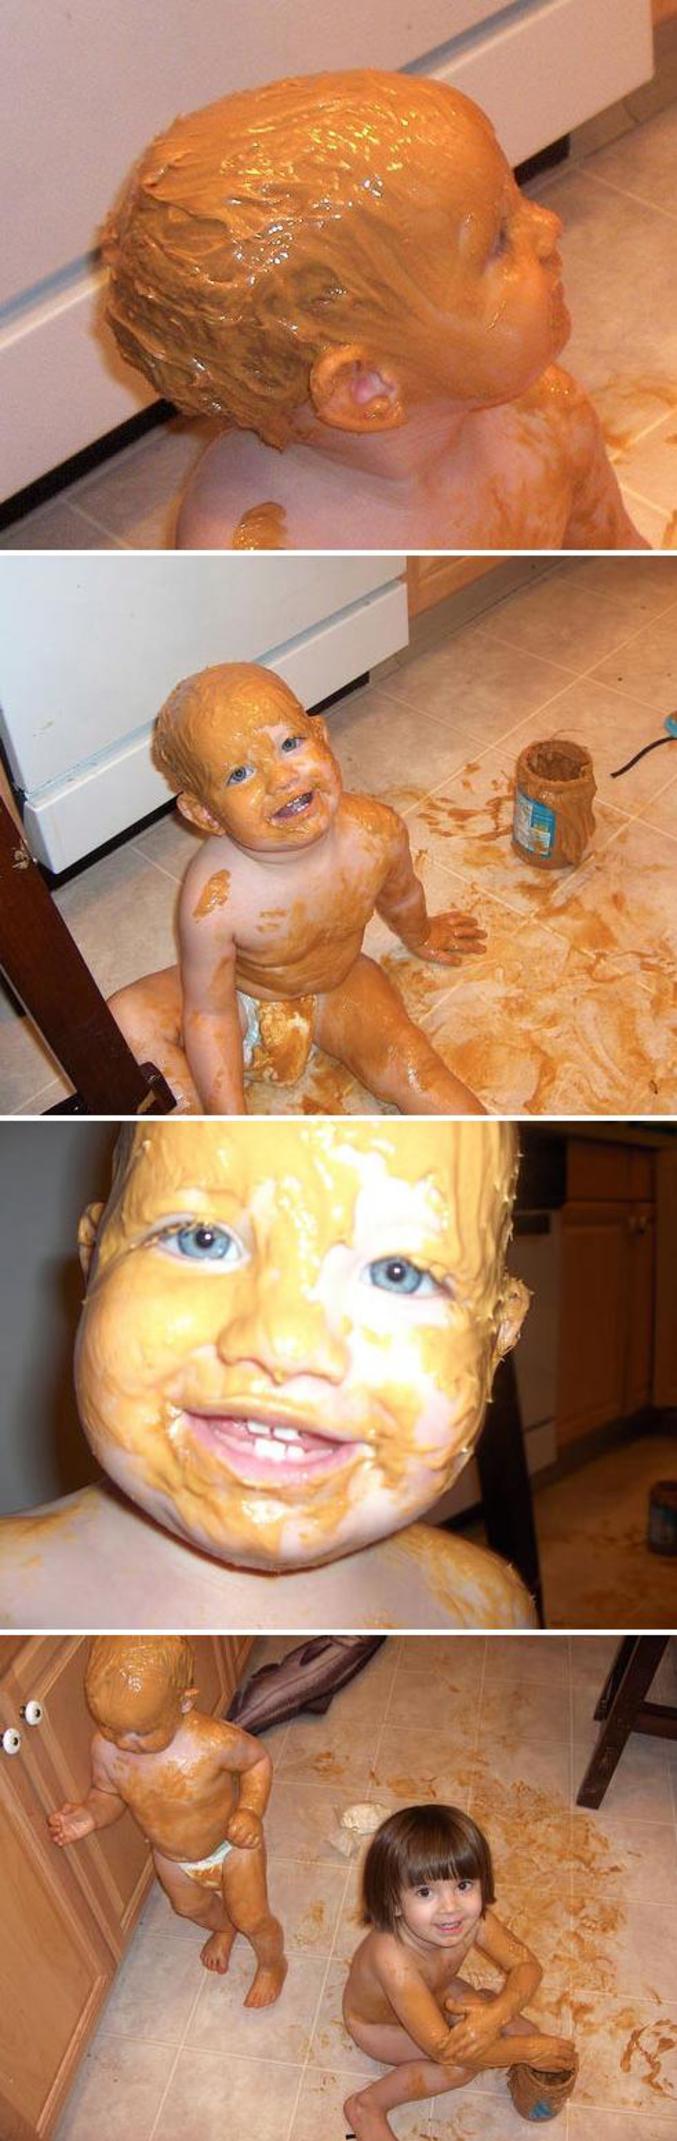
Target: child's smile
x,y
441,1913
291,1329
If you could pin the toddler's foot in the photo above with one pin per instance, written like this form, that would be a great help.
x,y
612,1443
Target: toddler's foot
x,y
366,2120
216,1951
267,1984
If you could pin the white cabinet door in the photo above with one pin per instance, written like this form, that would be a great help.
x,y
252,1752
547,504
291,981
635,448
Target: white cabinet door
x,y
85,84
92,644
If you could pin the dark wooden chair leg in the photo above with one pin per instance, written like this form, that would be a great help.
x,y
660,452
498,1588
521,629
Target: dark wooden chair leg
x,y
49,976
507,1503
627,1712
614,1677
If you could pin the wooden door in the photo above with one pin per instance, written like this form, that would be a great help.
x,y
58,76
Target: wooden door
x,y
113,1867
55,1963
639,1370
591,1369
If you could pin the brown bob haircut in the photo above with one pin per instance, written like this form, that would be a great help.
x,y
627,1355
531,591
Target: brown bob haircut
x,y
422,1843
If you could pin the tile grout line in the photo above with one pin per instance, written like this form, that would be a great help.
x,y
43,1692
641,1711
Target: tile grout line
x,y
173,2066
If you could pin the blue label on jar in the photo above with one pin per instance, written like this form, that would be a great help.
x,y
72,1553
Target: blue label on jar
x,y
534,825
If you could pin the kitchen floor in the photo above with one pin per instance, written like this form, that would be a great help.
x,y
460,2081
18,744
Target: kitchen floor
x,y
597,1569
503,1727
617,198
571,1009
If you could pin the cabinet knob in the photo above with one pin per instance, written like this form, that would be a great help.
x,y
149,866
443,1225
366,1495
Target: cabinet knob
x,y
32,1712
11,1740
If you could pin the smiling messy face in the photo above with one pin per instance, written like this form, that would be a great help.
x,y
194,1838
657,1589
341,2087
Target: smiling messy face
x,y
290,1332
247,760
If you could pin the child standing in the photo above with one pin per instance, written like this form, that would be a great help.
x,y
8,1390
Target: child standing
x,y
197,1787
427,1894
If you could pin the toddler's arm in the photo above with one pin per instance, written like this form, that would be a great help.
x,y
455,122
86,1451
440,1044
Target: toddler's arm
x,y
444,938
77,1819
412,2001
474,2035
252,1764
598,519
211,1025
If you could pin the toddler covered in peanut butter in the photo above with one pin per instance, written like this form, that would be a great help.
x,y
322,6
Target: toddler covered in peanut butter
x,y
197,1787
273,911
341,266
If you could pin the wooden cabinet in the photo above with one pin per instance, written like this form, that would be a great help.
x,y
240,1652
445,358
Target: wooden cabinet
x,y
431,579
608,1287
67,1915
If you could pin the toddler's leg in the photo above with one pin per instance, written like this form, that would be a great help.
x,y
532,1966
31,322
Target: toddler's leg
x,y
412,2077
204,1905
246,1901
148,1013
363,1024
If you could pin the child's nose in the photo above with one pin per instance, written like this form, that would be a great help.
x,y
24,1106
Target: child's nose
x,y
283,1336
546,229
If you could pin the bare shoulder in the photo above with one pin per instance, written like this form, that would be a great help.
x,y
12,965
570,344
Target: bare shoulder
x,y
244,496
207,885
367,814
35,1549
474,1586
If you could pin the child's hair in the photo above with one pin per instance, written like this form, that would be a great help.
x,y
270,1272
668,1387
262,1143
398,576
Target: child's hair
x,y
230,698
422,1843
121,1665
276,224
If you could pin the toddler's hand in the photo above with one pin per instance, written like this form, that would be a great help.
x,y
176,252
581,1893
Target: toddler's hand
x,y
449,938
244,1829
475,2031
70,1824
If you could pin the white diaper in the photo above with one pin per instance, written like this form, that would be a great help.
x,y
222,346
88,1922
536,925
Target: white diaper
x,y
251,1037
200,1869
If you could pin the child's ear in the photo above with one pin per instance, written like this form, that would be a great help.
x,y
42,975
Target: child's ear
x,y
197,813
350,393
88,1227
188,1700
515,1301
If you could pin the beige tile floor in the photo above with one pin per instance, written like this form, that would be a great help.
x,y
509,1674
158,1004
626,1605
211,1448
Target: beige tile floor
x,y
571,1009
596,1566
618,200
503,1727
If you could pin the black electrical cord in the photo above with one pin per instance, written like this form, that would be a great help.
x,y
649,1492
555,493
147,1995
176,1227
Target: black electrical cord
x,y
641,754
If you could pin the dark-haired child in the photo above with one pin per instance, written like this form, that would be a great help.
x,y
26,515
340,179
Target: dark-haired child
x,y
427,1897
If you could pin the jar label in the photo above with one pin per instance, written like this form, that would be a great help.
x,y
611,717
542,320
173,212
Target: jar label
x,y
534,825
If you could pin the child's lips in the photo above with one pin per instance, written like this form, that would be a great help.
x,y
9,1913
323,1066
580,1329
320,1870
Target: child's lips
x,y
268,1452
296,807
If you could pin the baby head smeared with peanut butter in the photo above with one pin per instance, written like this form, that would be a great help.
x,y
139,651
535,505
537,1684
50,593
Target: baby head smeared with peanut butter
x,y
291,1328
349,242
246,758
139,1687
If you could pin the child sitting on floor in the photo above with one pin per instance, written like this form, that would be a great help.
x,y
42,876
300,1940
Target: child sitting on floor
x,y
427,1894
196,1786
341,266
273,911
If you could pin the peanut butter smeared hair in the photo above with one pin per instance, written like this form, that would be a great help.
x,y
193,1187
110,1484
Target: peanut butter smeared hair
x,y
279,223
120,1663
419,1844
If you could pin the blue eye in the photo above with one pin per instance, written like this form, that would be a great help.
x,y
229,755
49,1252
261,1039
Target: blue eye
x,y
200,1244
397,1275
292,743
239,773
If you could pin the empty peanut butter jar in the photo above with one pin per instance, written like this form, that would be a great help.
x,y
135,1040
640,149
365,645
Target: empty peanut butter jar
x,y
553,820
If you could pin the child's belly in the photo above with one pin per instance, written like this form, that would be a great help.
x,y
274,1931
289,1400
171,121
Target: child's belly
x,y
272,973
176,1826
